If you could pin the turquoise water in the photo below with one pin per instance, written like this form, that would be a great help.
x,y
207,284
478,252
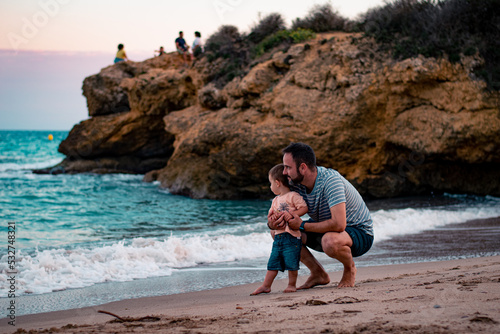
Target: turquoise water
x,y
76,234
71,210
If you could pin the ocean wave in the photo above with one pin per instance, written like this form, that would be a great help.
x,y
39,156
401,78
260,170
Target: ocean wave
x,y
59,269
10,166
390,223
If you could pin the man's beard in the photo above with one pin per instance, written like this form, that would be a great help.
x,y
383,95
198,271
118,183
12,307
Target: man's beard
x,y
298,179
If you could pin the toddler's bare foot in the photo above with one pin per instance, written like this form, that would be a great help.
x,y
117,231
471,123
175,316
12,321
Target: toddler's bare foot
x,y
261,289
290,288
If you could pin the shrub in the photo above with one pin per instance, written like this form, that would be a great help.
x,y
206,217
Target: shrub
x,y
300,35
281,37
271,32
440,28
320,19
269,25
225,44
222,43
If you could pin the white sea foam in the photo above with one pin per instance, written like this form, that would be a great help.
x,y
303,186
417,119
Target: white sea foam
x,y
4,167
389,223
58,269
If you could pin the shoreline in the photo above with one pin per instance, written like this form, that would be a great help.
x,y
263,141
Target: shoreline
x,y
474,238
445,296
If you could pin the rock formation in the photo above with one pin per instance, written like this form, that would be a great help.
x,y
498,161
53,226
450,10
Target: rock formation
x,y
390,127
127,102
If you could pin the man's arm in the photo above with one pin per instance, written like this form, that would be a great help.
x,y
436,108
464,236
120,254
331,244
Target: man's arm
x,y
299,212
335,224
302,211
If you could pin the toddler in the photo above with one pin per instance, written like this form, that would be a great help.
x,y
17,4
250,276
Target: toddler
x,y
287,244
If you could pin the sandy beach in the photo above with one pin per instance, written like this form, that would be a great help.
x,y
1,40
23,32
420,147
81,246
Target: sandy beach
x,y
456,296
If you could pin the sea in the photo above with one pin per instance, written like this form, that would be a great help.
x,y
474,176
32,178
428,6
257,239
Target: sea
x,y
70,241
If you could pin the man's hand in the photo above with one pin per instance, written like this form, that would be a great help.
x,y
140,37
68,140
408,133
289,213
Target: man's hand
x,y
275,220
287,216
295,221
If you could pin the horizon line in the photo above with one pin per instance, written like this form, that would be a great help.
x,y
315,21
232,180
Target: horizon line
x,y
66,52
34,130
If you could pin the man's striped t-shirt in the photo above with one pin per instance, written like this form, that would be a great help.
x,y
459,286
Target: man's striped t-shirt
x,y
331,189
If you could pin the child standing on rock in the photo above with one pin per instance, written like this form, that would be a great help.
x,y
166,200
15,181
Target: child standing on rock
x,y
287,244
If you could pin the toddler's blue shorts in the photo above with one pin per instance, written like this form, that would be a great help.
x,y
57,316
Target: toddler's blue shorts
x,y
286,253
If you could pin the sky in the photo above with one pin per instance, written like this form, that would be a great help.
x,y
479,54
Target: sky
x,y
47,47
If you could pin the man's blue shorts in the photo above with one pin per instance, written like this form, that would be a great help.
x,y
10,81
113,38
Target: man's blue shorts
x,y
361,241
286,253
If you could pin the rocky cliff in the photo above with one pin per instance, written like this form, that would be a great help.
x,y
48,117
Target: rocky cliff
x,y
391,128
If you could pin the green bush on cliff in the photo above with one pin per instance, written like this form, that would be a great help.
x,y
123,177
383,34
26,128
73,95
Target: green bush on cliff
x,y
283,36
434,28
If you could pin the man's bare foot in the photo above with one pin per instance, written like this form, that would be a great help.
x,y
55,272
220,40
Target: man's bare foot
x,y
290,288
261,289
316,280
348,278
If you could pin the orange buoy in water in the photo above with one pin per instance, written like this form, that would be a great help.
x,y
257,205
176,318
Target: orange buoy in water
x,y
51,137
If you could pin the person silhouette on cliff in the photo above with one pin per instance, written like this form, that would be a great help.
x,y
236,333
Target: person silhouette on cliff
x,y
340,224
160,52
182,48
120,54
197,45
